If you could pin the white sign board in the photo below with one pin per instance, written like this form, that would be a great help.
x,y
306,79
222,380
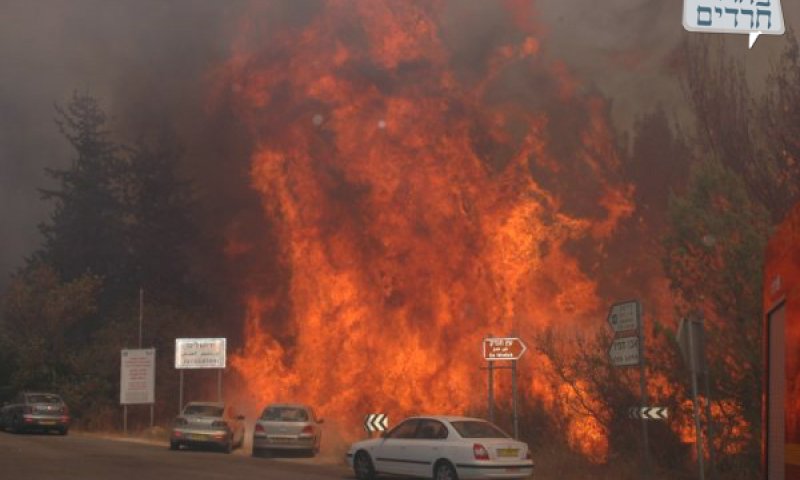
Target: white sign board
x,y
734,16
624,316
137,377
624,351
199,353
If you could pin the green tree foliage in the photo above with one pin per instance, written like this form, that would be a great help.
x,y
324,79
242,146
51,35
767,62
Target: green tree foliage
x,y
41,319
121,221
714,257
160,229
86,231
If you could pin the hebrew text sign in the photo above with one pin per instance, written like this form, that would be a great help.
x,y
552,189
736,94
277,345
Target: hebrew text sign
x,y
734,16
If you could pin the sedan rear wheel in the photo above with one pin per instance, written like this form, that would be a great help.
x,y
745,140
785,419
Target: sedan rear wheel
x,y
362,466
445,471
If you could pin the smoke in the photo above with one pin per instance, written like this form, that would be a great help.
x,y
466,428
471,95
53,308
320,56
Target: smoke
x,y
149,61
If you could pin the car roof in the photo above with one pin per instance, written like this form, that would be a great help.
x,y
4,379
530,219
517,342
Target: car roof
x,y
207,404
448,418
42,393
288,405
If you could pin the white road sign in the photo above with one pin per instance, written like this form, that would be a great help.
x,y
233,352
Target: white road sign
x,y
624,351
754,17
199,353
624,316
137,377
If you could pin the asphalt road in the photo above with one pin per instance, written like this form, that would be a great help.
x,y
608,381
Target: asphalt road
x,y
87,457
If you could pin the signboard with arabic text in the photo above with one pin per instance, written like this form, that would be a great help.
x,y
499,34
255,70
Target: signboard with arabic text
x,y
199,353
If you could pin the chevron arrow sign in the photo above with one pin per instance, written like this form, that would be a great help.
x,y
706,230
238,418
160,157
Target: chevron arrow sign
x,y
648,413
376,422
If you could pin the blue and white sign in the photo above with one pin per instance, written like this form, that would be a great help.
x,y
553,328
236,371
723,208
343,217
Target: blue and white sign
x,y
754,17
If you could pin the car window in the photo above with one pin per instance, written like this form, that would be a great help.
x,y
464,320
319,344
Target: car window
x,y
43,398
285,414
478,429
432,430
407,429
204,410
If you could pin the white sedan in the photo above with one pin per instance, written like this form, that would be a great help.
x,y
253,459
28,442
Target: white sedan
x,y
442,448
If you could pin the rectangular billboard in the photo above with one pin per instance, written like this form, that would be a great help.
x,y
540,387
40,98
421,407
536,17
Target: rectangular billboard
x,y
199,353
137,376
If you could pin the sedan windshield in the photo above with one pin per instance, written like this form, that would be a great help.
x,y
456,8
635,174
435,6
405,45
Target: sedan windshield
x,y
473,429
203,410
285,414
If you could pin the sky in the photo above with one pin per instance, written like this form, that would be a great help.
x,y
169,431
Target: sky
x,y
160,54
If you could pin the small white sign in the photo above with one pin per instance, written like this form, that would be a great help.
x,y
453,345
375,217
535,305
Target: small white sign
x,y
199,353
755,17
624,352
137,376
624,316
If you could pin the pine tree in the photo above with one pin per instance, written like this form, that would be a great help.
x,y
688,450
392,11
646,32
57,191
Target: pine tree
x,y
86,231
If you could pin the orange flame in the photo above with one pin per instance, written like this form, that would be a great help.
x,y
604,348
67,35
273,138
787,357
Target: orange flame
x,y
408,213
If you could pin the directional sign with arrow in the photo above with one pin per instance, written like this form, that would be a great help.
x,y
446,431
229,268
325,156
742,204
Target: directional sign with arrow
x,y
503,349
376,422
624,316
648,413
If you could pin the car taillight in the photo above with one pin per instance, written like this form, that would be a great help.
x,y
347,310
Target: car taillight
x,y
528,455
181,422
307,430
259,428
480,452
65,410
219,424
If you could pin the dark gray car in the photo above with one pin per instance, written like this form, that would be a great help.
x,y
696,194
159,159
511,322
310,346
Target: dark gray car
x,y
209,424
287,426
36,411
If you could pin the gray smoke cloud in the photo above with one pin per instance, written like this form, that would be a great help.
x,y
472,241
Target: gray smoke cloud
x,y
148,59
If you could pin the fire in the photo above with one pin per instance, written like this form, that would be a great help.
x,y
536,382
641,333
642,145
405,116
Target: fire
x,y
411,212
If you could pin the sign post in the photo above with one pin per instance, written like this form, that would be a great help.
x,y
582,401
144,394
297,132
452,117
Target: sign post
x,y
627,350
499,349
200,353
137,375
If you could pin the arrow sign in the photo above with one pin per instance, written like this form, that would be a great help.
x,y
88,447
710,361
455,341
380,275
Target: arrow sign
x,y
624,316
495,349
648,413
624,352
376,422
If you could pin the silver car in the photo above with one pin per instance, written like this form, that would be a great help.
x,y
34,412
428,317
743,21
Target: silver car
x,y
36,411
285,426
208,424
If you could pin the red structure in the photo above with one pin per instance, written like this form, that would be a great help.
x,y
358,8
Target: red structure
x,y
782,354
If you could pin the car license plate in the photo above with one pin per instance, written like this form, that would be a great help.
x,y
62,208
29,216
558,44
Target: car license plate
x,y
280,440
507,452
47,422
194,436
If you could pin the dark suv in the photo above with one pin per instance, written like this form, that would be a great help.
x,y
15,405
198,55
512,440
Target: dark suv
x,y
36,411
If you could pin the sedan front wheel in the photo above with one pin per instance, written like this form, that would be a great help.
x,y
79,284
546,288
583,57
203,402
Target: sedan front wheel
x,y
362,466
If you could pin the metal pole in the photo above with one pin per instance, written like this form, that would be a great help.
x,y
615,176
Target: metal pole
x,y
125,420
491,392
514,396
141,314
643,389
490,387
219,385
152,414
698,433
709,418
180,394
